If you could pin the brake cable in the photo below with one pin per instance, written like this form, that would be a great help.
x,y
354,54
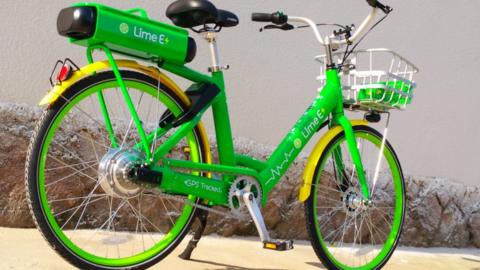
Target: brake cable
x,y
346,55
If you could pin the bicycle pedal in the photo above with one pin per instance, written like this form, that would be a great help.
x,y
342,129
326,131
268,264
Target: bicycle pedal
x,y
278,245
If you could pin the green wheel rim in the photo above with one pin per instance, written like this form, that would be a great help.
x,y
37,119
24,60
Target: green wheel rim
x,y
181,221
398,212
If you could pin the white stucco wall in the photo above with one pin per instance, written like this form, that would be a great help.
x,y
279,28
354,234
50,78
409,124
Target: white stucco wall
x,y
272,79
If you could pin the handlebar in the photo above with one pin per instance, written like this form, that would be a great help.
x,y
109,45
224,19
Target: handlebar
x,y
280,18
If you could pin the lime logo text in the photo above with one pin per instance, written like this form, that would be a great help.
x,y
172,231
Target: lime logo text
x,y
139,32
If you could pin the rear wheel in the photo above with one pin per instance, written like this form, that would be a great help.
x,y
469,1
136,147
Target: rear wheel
x,y
346,231
93,220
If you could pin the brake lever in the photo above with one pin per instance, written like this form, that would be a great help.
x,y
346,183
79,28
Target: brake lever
x,y
376,4
284,27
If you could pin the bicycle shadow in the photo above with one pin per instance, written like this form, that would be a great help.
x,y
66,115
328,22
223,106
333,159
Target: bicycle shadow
x,y
229,266
316,264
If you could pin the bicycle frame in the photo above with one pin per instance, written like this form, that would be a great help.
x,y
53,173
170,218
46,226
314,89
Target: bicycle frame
x,y
268,173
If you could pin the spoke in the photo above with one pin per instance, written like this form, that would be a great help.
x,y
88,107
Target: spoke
x,y
94,141
326,187
344,225
375,228
325,195
131,120
143,225
164,206
72,153
86,175
82,111
84,203
78,198
81,215
339,230
76,207
87,200
141,216
327,220
355,230
343,235
141,230
109,219
329,207
70,175
73,165
369,225
173,205
386,222
94,148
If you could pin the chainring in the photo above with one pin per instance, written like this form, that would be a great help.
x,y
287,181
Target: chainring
x,y
241,185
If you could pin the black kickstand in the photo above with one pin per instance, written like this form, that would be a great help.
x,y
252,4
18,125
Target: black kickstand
x,y
202,218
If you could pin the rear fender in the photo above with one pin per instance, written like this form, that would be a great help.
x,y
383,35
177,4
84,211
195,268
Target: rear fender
x,y
90,69
153,72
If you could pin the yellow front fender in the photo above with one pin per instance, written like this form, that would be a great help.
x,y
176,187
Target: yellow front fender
x,y
314,158
88,70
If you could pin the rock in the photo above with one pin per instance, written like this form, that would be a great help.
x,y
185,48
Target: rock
x,y
474,228
438,212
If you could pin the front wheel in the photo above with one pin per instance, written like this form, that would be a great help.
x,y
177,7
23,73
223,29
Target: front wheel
x,y
346,231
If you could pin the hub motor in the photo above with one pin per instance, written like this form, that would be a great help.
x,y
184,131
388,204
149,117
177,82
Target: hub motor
x,y
114,172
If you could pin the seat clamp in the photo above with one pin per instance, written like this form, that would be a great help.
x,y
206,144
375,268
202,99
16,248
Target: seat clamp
x,y
218,68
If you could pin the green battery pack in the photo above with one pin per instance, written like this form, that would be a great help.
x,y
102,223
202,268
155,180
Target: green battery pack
x,y
128,32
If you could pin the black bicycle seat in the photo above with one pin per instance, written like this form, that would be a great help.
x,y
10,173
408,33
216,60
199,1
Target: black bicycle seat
x,y
192,13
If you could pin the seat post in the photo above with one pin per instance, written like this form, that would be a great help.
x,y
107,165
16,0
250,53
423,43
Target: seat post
x,y
210,37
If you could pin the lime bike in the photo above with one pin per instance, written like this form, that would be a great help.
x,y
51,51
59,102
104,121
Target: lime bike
x,y
120,165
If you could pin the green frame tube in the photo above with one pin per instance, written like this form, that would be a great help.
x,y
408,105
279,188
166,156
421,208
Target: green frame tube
x,y
328,103
126,96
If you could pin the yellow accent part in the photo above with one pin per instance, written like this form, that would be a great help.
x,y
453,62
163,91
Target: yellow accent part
x,y
153,72
270,246
314,157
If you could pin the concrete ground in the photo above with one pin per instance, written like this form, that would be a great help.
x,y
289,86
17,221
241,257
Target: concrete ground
x,y
26,249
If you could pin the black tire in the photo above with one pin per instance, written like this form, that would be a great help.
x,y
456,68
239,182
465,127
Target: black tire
x,y
310,207
32,164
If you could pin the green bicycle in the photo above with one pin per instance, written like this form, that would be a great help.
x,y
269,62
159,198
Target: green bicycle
x,y
119,165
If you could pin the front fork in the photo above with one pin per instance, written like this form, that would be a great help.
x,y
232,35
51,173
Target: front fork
x,y
354,154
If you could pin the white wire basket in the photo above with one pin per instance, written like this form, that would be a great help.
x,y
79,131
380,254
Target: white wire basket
x,y
374,79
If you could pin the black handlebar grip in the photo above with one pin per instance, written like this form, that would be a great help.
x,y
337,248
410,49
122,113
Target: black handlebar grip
x,y
261,17
276,18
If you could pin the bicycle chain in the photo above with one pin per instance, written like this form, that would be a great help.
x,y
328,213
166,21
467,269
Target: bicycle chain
x,y
201,206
